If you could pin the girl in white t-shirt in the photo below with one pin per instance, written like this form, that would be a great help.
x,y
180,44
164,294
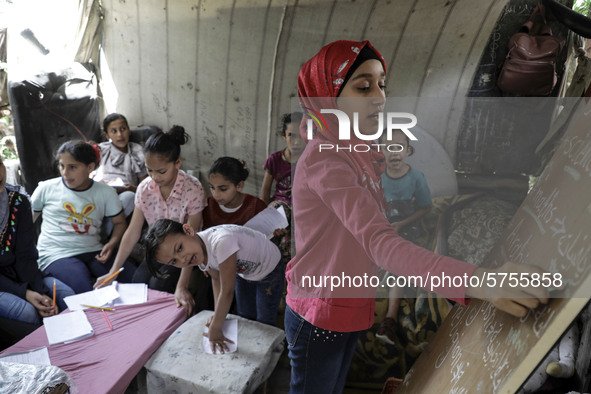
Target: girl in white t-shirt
x,y
223,251
74,207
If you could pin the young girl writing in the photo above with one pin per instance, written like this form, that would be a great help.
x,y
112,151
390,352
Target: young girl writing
x,y
169,193
225,252
122,161
341,229
74,207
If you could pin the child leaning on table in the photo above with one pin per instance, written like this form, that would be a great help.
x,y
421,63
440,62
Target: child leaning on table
x,y
223,251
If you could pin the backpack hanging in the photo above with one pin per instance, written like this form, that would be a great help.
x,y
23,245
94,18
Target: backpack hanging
x,y
530,66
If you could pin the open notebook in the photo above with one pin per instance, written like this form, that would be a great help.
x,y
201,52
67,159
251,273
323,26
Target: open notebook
x,y
67,327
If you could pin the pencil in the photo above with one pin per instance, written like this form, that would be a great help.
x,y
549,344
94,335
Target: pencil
x,y
53,304
110,277
97,307
107,319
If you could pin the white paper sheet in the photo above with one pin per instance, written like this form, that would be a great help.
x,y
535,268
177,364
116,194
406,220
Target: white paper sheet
x,y
131,294
39,356
67,327
268,220
97,297
116,183
230,331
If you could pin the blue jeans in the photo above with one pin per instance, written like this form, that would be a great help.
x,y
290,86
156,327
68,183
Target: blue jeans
x,y
319,359
16,308
260,300
80,272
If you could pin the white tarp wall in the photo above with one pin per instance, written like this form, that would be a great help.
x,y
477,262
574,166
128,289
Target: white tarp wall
x,y
226,70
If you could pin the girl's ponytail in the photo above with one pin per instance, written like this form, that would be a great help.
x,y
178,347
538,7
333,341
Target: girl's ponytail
x,y
177,134
167,145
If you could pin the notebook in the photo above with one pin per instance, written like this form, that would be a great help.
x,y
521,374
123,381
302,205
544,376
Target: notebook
x,y
96,297
67,327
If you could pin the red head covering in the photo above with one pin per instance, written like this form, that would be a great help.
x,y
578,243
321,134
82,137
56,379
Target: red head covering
x,y
319,82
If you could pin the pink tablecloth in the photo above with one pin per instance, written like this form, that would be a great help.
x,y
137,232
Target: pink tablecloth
x,y
108,361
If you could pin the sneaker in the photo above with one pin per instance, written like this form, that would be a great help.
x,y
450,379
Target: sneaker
x,y
387,330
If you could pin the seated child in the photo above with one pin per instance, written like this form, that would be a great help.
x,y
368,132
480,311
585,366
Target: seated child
x,y
74,207
223,252
228,204
25,295
122,162
408,198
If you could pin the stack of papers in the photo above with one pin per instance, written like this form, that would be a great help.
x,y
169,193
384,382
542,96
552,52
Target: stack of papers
x,y
67,327
131,294
113,295
97,297
39,356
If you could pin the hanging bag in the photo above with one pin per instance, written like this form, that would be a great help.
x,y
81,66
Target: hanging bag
x,y
530,66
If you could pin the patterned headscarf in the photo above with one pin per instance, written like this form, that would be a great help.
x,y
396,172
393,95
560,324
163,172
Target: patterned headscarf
x,y
320,81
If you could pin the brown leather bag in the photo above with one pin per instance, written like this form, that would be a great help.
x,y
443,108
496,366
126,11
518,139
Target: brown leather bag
x,y
530,66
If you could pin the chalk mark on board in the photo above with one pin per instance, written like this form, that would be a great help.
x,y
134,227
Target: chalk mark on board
x,y
535,219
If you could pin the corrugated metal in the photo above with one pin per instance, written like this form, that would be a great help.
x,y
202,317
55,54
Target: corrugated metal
x,y
226,69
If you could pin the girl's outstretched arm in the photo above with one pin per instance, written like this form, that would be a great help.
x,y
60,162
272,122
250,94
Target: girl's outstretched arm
x,y
223,283
130,238
182,295
119,226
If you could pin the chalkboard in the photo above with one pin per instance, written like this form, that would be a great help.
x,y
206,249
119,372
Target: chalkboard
x,y
481,349
471,155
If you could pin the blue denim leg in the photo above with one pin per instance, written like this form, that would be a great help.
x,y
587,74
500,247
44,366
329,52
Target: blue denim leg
x,y
319,359
73,271
269,292
61,291
260,300
80,272
15,308
245,292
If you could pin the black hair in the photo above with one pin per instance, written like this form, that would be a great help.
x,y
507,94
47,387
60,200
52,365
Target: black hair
x,y
291,117
154,237
112,117
366,54
410,148
167,145
81,151
230,168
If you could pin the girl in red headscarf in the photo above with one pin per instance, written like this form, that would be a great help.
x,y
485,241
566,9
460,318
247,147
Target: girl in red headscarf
x,y
341,232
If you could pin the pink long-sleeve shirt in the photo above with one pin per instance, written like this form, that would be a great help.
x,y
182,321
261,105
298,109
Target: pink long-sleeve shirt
x,y
341,232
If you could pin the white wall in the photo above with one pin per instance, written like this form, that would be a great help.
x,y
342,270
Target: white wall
x,y
226,70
